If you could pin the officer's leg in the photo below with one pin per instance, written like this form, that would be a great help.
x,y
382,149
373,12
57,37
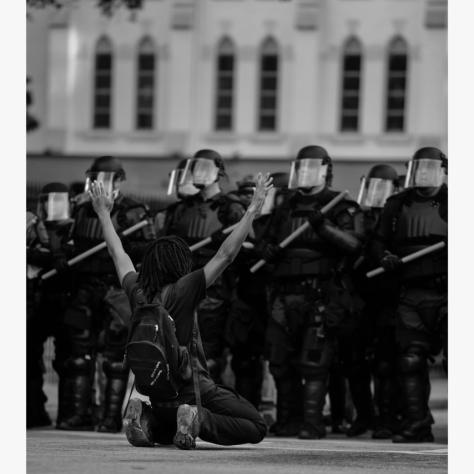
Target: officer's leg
x,y
359,378
337,396
117,378
248,370
288,381
76,365
79,375
386,383
317,358
212,314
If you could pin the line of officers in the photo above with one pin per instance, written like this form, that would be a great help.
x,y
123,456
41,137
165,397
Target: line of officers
x,y
310,311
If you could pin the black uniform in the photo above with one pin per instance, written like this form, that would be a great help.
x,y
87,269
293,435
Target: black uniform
x,y
46,300
410,222
194,219
97,316
309,303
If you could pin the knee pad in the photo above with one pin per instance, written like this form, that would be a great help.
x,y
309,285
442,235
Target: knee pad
x,y
413,361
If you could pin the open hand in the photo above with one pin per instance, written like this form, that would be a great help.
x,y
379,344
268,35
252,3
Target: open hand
x,y
264,184
101,201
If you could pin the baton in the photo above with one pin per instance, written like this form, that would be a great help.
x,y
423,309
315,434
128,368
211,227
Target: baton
x,y
208,240
409,258
95,249
284,243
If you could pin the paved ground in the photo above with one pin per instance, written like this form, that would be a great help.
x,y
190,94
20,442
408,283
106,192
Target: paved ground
x,y
51,451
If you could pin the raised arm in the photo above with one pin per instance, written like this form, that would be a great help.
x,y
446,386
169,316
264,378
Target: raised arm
x,y
103,204
231,246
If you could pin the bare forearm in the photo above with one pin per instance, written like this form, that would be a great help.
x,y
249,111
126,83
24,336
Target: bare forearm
x,y
231,246
114,244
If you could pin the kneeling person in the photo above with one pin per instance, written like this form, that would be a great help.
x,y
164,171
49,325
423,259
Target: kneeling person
x,y
226,418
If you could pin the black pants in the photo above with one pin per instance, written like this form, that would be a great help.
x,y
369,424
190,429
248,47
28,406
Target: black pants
x,y
227,419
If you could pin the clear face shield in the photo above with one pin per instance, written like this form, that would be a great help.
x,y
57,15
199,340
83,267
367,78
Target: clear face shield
x,y
203,172
104,177
307,173
375,191
425,173
181,185
53,207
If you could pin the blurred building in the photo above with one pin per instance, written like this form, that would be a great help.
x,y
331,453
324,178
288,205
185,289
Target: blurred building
x,y
254,79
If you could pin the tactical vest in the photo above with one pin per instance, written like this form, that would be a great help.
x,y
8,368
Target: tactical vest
x,y
88,233
308,255
419,225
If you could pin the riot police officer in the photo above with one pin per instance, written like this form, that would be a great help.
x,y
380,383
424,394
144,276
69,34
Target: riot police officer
x,y
308,302
48,233
199,216
412,220
375,331
96,318
245,331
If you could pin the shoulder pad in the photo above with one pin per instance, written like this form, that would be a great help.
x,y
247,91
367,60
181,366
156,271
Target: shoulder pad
x,y
400,196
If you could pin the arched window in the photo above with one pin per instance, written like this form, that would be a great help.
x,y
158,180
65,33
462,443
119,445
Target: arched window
x,y
145,84
268,97
103,83
396,85
351,80
225,85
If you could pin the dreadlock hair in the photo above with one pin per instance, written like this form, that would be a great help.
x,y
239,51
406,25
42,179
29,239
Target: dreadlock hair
x,y
165,261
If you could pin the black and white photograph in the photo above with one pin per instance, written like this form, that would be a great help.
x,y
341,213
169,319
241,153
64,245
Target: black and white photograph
x,y
236,237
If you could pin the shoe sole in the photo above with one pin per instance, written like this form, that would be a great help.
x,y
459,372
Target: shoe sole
x,y
134,431
183,439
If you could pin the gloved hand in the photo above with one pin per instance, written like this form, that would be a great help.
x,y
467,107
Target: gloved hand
x,y
271,252
218,237
60,263
390,261
316,219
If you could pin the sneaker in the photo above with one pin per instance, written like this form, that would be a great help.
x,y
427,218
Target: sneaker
x,y
187,427
138,421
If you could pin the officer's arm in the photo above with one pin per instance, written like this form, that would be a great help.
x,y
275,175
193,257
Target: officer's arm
x,y
346,235
382,234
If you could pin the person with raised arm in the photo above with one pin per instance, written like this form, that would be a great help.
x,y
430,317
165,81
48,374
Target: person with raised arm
x,y
225,418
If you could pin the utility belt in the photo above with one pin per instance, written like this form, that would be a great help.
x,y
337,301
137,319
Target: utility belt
x,y
439,283
304,262
302,286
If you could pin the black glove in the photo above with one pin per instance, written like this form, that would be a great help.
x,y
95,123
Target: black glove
x,y
218,237
271,252
390,262
316,219
60,263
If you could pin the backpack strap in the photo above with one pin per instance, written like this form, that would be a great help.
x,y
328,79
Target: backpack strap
x,y
194,366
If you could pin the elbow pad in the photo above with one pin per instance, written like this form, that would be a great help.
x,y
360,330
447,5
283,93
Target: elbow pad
x,y
345,241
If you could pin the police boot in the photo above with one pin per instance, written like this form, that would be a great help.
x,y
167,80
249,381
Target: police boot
x,y
289,396
418,420
359,385
80,372
65,390
314,397
386,425
337,400
114,395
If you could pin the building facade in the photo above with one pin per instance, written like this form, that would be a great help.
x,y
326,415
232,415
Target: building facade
x,y
254,79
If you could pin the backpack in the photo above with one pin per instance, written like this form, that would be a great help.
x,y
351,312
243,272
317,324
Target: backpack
x,y
160,365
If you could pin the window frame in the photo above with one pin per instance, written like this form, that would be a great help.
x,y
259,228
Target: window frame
x,y
103,47
397,46
269,48
146,47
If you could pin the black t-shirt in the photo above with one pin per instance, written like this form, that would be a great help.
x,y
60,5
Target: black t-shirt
x,y
181,300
